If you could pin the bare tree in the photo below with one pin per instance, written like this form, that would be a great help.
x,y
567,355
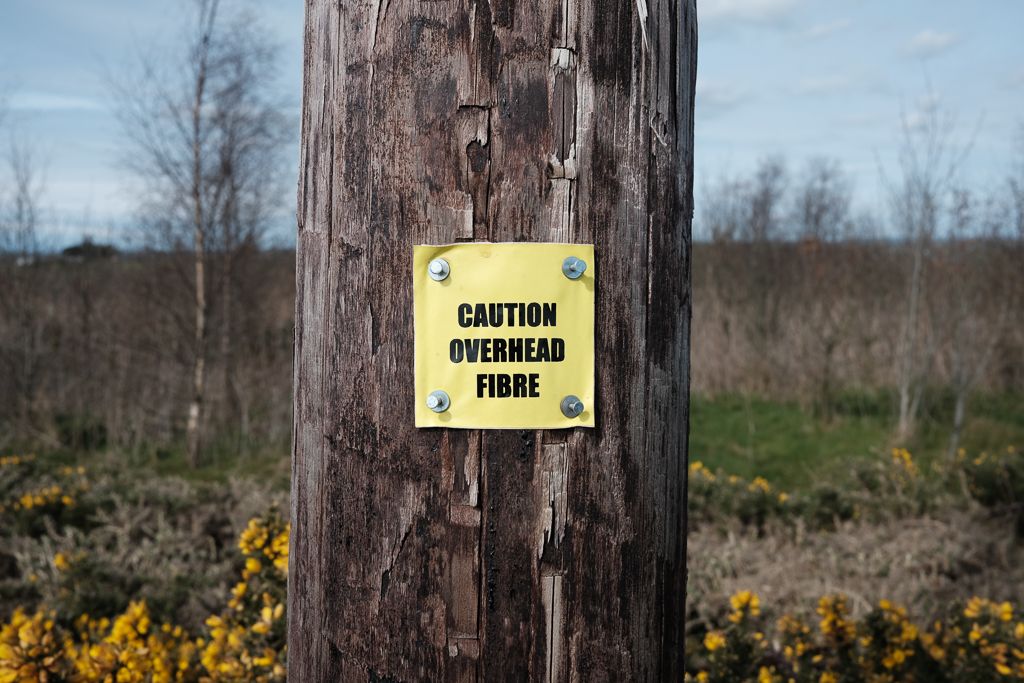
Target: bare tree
x,y
252,131
205,146
970,305
1016,190
20,196
724,211
821,204
1012,348
25,200
22,347
764,260
928,165
746,216
821,214
767,193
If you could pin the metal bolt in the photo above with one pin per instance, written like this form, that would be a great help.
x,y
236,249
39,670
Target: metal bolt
x,y
572,406
438,401
573,267
438,269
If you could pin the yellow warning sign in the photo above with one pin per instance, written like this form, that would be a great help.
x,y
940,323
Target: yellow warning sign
x,y
504,335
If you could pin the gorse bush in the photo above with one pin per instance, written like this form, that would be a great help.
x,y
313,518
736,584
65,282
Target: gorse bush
x,y
245,641
112,535
996,480
712,496
980,641
113,576
891,487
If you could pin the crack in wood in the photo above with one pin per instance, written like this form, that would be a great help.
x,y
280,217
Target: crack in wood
x,y
551,598
641,10
385,577
553,484
379,16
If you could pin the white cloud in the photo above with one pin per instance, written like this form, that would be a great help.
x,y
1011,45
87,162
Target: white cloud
x,y
929,43
745,11
827,29
822,85
925,112
863,120
45,101
716,97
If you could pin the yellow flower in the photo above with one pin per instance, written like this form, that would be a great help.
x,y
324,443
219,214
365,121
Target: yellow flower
x,y
828,677
834,622
902,458
254,537
714,640
60,561
744,603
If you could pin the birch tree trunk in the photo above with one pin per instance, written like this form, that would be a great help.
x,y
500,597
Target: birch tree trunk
x,y
200,65
430,554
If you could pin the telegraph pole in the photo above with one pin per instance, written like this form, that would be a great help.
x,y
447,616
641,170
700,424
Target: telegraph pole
x,y
465,554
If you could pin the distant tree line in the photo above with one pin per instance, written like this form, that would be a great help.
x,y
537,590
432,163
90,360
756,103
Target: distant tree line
x,y
184,342
799,297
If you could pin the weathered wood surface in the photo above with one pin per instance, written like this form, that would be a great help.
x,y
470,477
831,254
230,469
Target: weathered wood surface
x,y
453,555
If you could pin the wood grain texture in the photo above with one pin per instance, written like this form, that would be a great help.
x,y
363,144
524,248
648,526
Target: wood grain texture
x,y
500,555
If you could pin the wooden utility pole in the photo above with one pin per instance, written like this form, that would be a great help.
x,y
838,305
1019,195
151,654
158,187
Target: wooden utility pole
x,y
442,554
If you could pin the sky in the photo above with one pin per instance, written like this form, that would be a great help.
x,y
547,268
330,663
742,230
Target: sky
x,y
796,78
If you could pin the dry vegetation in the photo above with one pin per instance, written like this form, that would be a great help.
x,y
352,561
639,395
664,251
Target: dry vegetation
x,y
97,352
105,570
177,356
112,577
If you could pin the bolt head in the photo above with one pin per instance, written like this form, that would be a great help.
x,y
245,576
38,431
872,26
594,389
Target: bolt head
x,y
438,269
572,406
438,401
573,268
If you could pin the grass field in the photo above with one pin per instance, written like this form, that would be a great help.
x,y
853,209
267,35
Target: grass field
x,y
794,448
791,446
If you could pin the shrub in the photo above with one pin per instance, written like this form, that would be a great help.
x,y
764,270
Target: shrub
x,y
980,641
246,641
78,540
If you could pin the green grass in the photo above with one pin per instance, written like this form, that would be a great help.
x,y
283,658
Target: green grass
x,y
795,449
267,463
787,445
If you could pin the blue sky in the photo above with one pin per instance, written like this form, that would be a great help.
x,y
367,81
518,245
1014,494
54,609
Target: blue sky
x,y
815,78
801,78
